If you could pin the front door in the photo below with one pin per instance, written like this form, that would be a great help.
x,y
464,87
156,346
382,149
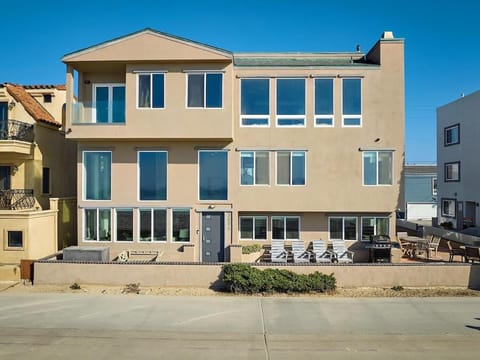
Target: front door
x,y
213,237
4,177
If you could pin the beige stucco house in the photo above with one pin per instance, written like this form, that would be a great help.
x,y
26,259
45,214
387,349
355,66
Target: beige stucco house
x,y
191,150
36,175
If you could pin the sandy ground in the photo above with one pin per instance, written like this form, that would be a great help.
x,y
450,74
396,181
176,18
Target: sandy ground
x,y
16,287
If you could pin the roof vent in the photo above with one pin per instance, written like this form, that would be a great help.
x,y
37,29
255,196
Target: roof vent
x,y
387,35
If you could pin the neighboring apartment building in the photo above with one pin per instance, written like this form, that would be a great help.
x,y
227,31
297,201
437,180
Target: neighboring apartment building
x,y
458,129
419,201
35,166
191,150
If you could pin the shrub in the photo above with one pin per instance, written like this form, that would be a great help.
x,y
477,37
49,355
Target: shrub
x,y
249,249
131,289
75,286
397,288
242,278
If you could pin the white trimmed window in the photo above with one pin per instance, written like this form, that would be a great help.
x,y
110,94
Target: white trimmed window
x,y
109,103
205,90
124,225
254,167
285,227
342,228
291,168
152,225
351,102
151,90
290,103
253,227
448,207
97,224
374,226
97,174
377,168
323,102
255,102
180,225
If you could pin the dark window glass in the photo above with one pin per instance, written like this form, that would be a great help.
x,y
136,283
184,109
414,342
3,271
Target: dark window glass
x,y
97,175
153,175
290,96
352,97
46,181
213,175
323,96
15,239
180,225
195,90
255,97
214,91
124,224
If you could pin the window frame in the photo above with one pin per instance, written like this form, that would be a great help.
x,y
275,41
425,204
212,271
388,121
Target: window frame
x,y
291,117
150,73
138,174
171,237
445,172
260,117
204,73
84,171
377,167
255,167
285,226
323,116
254,220
226,151
387,218
152,223
110,87
454,202
352,116
290,170
445,136
97,228
115,224
6,234
343,227
434,186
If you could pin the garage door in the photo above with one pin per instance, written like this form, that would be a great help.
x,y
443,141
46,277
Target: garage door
x,y
417,211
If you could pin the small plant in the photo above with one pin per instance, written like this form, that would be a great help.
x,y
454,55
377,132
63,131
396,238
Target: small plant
x,y
75,286
447,225
397,288
249,249
131,289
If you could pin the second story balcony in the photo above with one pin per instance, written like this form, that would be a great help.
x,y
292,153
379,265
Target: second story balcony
x,y
16,199
106,112
16,137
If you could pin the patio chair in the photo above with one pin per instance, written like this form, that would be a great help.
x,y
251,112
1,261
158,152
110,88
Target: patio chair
x,y
277,252
455,249
320,252
342,255
433,244
300,254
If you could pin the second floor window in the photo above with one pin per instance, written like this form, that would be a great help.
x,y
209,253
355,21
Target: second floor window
x,y
352,102
291,168
291,102
151,91
205,90
377,168
109,106
452,135
452,171
213,174
97,175
152,167
254,102
323,102
254,167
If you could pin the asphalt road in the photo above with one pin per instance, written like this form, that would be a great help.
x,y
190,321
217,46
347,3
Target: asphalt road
x,y
54,326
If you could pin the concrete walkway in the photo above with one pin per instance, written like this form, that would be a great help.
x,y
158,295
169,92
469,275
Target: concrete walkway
x,y
50,326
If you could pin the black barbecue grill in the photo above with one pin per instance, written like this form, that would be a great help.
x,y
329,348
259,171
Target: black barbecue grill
x,y
380,248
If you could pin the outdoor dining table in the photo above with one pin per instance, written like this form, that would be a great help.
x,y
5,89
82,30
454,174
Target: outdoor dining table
x,y
417,244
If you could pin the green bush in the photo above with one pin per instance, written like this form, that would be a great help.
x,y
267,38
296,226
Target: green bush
x,y
245,279
249,249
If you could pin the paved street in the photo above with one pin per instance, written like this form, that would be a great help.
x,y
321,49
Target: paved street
x,y
49,326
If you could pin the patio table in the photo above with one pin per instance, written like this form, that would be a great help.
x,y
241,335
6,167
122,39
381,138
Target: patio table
x,y
418,244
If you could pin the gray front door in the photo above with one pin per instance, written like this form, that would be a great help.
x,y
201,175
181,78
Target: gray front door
x,y
213,237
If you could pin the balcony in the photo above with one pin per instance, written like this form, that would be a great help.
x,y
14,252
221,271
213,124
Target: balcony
x,y
101,113
16,199
16,130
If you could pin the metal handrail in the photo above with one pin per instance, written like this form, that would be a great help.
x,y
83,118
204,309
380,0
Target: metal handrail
x,y
16,130
16,199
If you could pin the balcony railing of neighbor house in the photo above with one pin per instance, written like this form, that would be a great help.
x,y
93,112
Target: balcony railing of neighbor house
x,y
101,113
16,130
16,199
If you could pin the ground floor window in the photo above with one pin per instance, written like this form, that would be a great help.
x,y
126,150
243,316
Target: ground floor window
x,y
342,227
14,240
253,227
448,207
374,226
181,225
286,227
97,225
152,225
124,224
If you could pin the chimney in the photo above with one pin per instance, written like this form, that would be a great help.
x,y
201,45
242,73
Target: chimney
x,y
387,35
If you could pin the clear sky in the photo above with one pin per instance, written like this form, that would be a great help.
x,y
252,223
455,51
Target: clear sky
x,y
442,39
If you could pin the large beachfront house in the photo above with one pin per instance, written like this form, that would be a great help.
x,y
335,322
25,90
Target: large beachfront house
x,y
190,150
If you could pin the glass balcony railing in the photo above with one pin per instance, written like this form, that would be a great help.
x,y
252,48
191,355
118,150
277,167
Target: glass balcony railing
x,y
16,130
16,199
104,112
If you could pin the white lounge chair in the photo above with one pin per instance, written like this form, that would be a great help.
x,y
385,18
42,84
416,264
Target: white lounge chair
x,y
342,255
277,252
300,254
320,252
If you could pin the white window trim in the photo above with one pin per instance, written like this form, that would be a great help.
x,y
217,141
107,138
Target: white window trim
x,y
115,225
360,116
434,188
285,226
110,100
204,73
343,227
374,227
323,116
84,180
151,90
254,217
170,235
454,208
198,175
97,209
254,168
244,116
291,165
293,117
376,165
138,175
151,226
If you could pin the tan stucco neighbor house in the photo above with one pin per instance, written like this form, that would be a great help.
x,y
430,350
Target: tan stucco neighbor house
x,y
191,150
36,175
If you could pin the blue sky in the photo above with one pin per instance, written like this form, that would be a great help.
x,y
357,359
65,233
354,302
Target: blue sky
x,y
441,39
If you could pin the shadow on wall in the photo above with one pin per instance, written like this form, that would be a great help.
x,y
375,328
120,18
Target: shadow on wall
x,y
474,279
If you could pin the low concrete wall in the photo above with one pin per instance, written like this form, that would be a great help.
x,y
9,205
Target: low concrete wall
x,y
205,275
